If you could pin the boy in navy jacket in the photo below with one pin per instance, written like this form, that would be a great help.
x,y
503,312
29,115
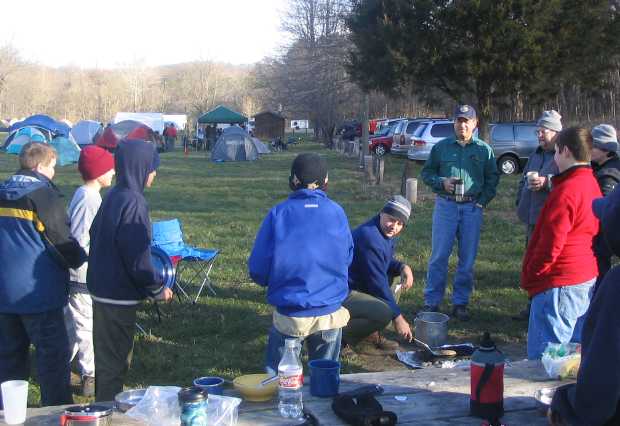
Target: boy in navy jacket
x,y
301,254
120,273
372,302
37,251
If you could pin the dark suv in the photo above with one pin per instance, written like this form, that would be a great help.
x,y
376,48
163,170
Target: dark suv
x,y
512,144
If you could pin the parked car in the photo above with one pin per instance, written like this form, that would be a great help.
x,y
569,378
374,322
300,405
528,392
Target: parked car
x,y
388,122
426,135
512,144
403,134
381,142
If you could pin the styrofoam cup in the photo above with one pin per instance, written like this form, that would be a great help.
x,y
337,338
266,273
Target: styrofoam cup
x,y
15,400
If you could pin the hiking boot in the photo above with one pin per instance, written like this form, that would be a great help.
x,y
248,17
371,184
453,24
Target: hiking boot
x,y
347,351
460,312
376,344
88,386
366,347
386,344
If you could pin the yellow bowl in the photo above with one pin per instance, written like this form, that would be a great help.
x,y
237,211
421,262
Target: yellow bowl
x,y
251,390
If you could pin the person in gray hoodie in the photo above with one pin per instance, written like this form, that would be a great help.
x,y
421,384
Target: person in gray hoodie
x,y
535,184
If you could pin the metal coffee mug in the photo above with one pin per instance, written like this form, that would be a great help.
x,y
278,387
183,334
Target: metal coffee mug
x,y
459,189
531,176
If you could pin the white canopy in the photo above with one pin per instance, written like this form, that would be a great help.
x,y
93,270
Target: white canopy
x,y
179,120
155,120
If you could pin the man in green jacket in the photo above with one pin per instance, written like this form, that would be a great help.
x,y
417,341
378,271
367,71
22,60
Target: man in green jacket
x,y
462,172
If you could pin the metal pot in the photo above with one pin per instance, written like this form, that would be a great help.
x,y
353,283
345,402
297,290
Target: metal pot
x,y
87,415
431,328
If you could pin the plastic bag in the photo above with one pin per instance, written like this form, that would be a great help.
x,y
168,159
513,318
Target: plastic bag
x,y
562,360
222,410
160,407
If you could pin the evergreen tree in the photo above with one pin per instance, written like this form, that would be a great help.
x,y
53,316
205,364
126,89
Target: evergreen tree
x,y
484,52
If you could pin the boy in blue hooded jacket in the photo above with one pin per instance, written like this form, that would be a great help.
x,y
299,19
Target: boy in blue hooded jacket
x,y
120,273
37,250
302,254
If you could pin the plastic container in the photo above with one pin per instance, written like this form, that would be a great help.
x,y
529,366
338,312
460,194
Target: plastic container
x,y
291,380
14,399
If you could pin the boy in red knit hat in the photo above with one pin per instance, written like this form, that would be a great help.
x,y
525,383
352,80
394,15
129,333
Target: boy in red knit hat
x,y
96,165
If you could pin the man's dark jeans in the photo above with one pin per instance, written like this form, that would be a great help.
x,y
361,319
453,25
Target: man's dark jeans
x,y
47,332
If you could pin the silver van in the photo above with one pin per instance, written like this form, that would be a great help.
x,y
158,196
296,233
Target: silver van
x,y
513,143
427,134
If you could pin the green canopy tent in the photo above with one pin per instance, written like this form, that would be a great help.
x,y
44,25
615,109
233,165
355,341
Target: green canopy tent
x,y
221,114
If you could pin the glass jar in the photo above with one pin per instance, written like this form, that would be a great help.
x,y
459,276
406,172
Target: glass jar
x,y
193,402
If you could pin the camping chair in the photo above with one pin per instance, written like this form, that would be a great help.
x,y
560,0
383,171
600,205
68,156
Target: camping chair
x,y
194,263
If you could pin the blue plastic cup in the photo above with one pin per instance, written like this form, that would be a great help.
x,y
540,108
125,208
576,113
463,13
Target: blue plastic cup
x,y
324,377
213,385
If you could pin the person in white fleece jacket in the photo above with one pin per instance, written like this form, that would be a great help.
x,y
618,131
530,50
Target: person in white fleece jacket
x,y
96,165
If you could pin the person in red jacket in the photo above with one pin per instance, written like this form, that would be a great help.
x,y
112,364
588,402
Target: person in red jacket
x,y
559,268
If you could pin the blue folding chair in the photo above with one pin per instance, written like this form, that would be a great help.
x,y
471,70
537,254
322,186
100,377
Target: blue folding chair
x,y
194,264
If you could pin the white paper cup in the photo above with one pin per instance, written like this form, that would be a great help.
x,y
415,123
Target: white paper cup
x,y
15,400
531,176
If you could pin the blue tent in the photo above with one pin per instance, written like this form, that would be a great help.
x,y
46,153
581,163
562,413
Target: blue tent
x,y
68,151
45,121
47,125
86,132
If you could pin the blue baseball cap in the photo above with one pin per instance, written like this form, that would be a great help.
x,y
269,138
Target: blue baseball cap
x,y
464,111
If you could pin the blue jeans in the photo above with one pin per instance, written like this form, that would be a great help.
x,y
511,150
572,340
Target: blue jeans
x,y
321,345
47,332
554,315
460,221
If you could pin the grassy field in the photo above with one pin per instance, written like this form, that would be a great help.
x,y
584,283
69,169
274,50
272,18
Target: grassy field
x,y
222,205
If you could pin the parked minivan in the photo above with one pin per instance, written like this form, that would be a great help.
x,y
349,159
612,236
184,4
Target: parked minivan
x,y
403,134
512,144
427,134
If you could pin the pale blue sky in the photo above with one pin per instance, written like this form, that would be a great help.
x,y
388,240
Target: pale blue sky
x,y
112,33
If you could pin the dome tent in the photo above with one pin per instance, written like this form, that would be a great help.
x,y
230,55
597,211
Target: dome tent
x,y
86,132
234,147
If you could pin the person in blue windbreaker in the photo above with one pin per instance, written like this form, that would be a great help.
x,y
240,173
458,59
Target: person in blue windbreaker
x,y
302,254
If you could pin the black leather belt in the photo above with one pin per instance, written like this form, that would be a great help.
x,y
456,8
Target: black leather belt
x,y
463,199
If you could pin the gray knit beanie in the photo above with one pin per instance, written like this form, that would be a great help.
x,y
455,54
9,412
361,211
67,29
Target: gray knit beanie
x,y
399,207
551,120
604,138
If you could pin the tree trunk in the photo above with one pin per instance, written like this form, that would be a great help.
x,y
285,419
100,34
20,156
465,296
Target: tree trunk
x,y
484,116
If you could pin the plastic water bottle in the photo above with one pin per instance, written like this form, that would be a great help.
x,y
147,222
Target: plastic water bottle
x,y
291,380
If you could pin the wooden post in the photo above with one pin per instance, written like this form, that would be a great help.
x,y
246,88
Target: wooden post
x,y
368,166
407,173
379,168
364,143
412,190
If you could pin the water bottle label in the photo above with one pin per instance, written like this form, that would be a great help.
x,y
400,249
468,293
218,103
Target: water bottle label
x,y
291,382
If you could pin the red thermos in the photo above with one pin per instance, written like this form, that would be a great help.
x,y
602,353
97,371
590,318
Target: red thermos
x,y
487,381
